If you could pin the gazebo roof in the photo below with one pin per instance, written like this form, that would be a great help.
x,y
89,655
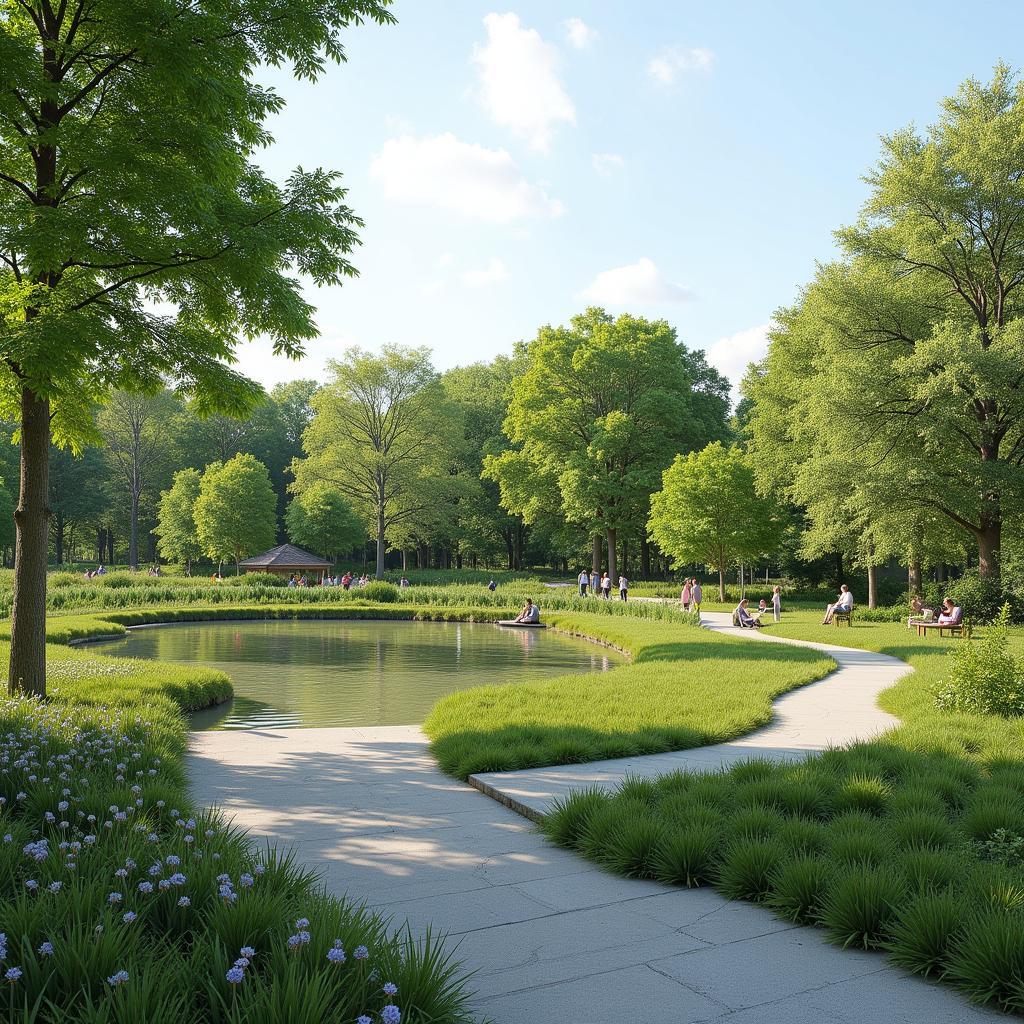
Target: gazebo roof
x,y
285,556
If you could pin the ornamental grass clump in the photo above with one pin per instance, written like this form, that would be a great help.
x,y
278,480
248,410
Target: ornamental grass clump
x,y
985,678
861,905
926,932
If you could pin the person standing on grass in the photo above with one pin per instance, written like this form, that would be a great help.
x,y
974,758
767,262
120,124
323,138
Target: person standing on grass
x,y
777,603
584,582
696,595
606,586
595,582
623,587
686,595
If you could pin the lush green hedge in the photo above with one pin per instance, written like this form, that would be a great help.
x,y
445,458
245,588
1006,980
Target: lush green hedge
x,y
912,844
685,687
95,813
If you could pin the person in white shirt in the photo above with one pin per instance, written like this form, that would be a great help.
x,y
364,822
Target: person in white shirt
x,y
606,586
777,603
623,587
843,604
584,582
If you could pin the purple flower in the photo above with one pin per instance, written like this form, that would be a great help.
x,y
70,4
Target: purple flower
x,y
114,897
363,1020
128,917
31,884
12,974
242,961
361,953
391,1014
336,955
247,951
117,979
390,988
145,888
235,975
184,902
301,923
46,949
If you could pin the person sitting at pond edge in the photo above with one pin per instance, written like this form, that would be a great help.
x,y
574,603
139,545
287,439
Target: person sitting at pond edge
x,y
530,613
744,619
843,605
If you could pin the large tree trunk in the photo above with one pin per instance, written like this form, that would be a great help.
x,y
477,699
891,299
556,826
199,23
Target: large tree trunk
x,y
645,558
989,538
27,670
133,533
380,543
612,567
913,578
595,553
872,586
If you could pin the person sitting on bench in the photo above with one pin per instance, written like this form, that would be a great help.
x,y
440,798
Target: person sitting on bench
x,y
919,613
744,619
842,606
530,613
951,614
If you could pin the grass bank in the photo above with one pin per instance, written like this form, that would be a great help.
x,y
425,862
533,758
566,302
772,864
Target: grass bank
x,y
121,901
912,844
684,687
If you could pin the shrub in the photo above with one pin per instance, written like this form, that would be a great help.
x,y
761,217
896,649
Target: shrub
x,y
631,851
980,598
383,593
1003,847
747,868
567,820
988,962
986,679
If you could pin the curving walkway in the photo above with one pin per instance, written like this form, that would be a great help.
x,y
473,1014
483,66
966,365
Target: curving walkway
x,y
554,940
835,711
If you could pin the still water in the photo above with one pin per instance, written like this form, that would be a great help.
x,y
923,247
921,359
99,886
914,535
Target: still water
x,y
303,674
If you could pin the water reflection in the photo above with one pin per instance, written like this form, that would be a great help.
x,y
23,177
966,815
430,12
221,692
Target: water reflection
x,y
302,674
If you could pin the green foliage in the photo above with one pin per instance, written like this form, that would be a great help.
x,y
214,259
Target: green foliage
x,y
747,868
926,932
378,590
321,520
798,889
985,679
1003,847
176,528
687,856
236,511
861,904
988,963
980,597
708,511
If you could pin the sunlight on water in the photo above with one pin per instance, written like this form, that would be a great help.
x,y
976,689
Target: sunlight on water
x,y
304,674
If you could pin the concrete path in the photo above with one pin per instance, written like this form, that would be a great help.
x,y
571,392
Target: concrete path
x,y
553,940
836,711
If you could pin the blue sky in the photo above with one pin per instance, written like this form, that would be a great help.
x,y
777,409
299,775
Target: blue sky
x,y
682,160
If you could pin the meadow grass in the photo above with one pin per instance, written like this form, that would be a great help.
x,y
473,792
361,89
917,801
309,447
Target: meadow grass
x,y
909,844
684,687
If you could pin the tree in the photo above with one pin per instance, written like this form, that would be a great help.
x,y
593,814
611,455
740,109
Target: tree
x,y
134,429
78,493
379,436
236,511
908,352
179,537
127,187
709,511
322,520
601,410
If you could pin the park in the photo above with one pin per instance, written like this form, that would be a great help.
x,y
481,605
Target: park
x,y
396,640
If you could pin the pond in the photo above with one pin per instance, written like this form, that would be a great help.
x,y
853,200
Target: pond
x,y
300,674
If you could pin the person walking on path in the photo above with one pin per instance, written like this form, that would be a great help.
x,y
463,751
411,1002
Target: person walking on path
x,y
606,586
696,595
595,582
686,595
777,603
584,582
623,587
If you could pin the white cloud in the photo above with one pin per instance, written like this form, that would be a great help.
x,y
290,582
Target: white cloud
x,y
494,271
732,355
606,164
476,182
639,283
665,67
579,33
519,83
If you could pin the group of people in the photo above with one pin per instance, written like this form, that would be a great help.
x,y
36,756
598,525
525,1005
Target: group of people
x,y
98,571
601,586
950,614
692,595
743,617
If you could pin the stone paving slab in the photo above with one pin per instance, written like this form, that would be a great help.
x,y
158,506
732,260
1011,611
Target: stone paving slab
x,y
553,940
835,711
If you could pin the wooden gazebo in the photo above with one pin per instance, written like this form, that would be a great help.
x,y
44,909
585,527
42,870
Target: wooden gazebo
x,y
286,560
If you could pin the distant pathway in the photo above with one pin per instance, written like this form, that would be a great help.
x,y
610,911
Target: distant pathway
x,y
553,939
835,711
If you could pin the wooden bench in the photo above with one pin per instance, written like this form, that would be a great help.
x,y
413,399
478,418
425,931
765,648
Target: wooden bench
x,y
961,628
846,617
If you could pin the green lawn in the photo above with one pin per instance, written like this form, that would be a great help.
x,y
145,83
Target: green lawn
x,y
913,844
685,687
